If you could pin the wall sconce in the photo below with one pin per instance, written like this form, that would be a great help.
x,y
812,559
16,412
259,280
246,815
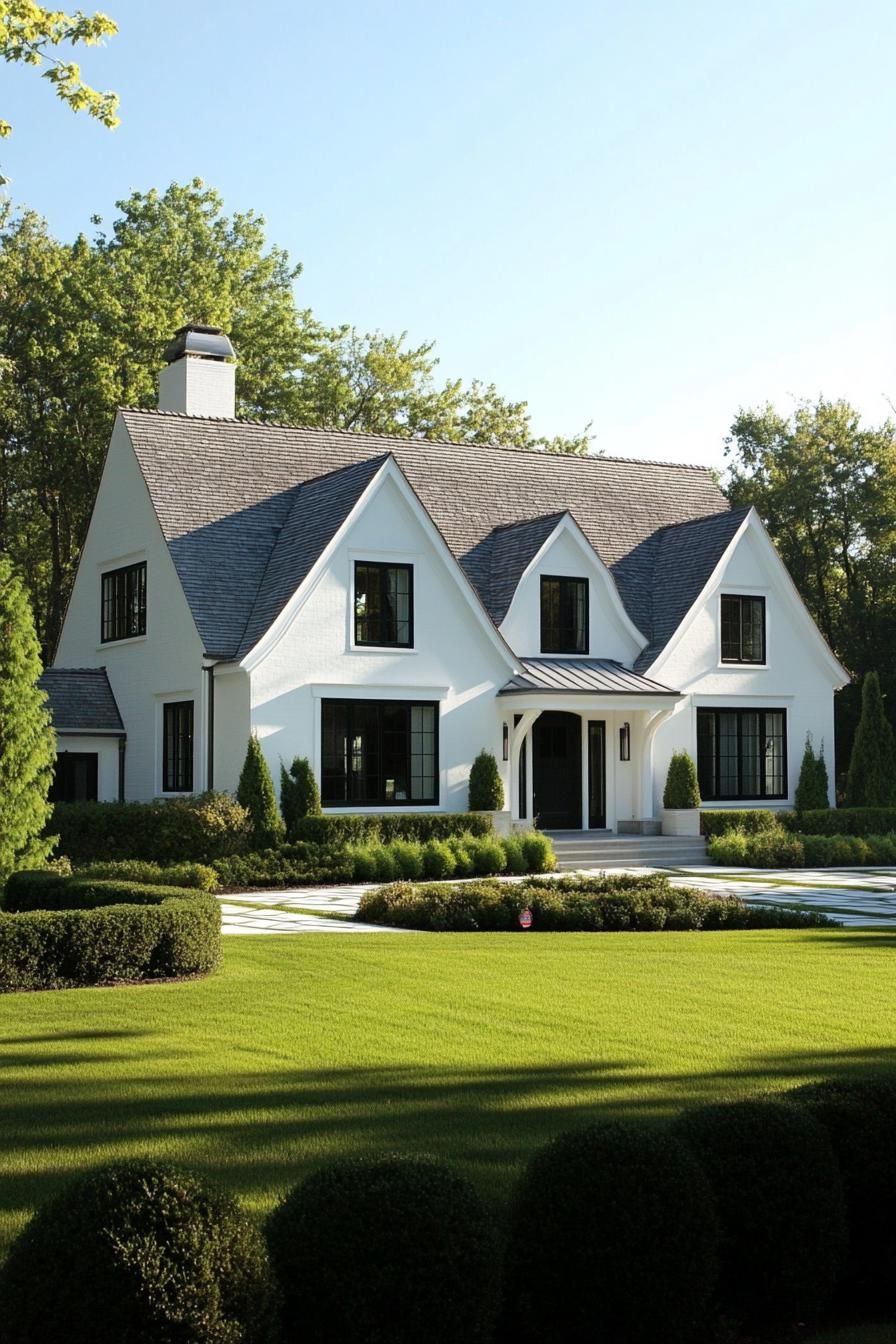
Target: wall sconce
x,y
625,742
506,741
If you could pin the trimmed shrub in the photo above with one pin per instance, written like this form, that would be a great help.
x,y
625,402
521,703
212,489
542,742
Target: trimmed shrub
x,y
68,932
780,1207
198,876
438,859
407,855
612,1237
143,1253
255,792
487,854
860,1120
463,859
299,794
296,865
539,852
812,787
682,790
569,905
514,853
198,829
871,778
774,848
358,828
486,789
718,821
388,1248
842,821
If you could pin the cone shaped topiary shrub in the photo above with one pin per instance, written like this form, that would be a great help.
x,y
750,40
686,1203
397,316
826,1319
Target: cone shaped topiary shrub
x,y
612,1238
871,778
138,1253
812,786
255,791
396,1249
780,1207
486,789
299,795
681,789
860,1120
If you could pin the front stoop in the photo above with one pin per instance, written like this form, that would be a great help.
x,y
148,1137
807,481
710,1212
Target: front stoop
x,y
595,849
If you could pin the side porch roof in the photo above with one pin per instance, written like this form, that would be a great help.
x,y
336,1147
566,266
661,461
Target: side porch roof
x,y
81,701
583,676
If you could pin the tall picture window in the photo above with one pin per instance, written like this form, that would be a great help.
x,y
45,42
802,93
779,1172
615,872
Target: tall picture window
x,y
177,747
564,614
742,753
124,602
384,605
379,752
743,629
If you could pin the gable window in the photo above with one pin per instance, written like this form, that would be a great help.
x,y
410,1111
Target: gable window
x,y
124,602
384,605
743,629
177,747
742,753
564,615
379,752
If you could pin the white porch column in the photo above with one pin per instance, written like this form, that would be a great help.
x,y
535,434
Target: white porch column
x,y
644,766
517,738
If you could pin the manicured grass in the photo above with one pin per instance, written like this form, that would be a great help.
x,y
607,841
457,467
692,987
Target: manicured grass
x,y
473,1047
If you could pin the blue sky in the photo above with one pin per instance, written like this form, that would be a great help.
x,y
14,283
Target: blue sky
x,y
642,215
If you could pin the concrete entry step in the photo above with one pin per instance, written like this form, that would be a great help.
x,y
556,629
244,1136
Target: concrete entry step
x,y
595,849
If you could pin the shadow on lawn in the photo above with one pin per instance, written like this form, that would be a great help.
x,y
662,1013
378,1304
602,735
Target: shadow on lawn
x,y
257,1132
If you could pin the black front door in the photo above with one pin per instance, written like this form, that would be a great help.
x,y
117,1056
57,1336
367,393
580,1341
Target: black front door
x,y
557,771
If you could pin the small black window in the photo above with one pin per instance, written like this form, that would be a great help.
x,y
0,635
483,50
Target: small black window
x,y
124,602
379,752
75,778
177,747
564,615
384,605
742,753
743,629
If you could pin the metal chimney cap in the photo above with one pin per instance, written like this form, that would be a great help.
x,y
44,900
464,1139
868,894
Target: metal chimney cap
x,y
199,342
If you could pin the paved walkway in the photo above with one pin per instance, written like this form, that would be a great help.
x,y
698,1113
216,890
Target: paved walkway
x,y
856,897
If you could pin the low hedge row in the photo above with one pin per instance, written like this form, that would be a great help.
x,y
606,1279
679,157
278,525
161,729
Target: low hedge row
x,y
623,904
867,821
207,826
719,821
59,933
778,848
422,826
732,1218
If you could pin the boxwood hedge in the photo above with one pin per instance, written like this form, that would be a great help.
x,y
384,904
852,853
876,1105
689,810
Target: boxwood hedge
x,y
842,821
423,826
719,821
59,933
207,826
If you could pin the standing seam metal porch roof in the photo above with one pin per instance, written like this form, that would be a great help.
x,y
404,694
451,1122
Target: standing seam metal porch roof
x,y
595,676
235,506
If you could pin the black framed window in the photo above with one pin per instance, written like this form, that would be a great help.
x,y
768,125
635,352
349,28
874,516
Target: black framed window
x,y
75,778
742,753
384,604
177,747
743,629
124,602
564,614
379,752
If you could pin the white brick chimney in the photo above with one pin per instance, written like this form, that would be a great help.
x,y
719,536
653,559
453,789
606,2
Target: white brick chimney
x,y
197,379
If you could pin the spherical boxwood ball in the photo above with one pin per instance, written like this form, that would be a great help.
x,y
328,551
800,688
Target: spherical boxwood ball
x,y
395,1249
779,1201
138,1253
612,1239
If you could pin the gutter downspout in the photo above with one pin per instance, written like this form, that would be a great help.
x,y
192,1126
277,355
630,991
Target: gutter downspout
x,y
210,729
122,747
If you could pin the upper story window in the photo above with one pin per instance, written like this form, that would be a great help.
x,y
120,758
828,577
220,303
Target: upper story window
x,y
564,615
124,602
384,605
743,629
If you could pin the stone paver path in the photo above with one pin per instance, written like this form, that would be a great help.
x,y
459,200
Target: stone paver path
x,y
856,897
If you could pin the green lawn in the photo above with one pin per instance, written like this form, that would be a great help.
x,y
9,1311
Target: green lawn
x,y
475,1047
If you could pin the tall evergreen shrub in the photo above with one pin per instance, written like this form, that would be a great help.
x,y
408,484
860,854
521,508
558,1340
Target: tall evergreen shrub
x,y
682,790
27,741
256,793
299,794
812,787
871,781
486,789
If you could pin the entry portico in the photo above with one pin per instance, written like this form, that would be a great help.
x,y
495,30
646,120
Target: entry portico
x,y
580,737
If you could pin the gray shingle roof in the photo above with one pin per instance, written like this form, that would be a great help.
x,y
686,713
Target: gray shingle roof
x,y
81,699
602,676
223,491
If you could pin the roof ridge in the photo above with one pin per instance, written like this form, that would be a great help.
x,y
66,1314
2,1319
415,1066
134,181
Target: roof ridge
x,y
419,439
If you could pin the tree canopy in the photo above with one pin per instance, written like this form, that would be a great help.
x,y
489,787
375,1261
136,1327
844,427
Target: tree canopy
x,y
82,330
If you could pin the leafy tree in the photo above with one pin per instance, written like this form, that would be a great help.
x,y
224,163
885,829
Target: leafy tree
x,y
299,794
486,790
682,790
871,780
812,786
31,33
27,741
255,791
825,487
